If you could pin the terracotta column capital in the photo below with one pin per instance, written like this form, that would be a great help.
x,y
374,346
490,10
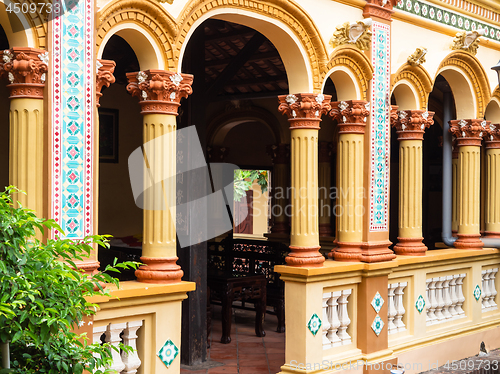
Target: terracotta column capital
x,y
217,153
26,69
411,124
104,76
379,9
351,115
159,91
493,137
469,131
280,153
304,110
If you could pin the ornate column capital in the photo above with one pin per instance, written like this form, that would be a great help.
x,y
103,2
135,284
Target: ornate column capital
x,y
26,69
351,115
216,153
325,152
304,110
379,8
493,138
159,91
469,131
394,115
104,76
280,153
411,124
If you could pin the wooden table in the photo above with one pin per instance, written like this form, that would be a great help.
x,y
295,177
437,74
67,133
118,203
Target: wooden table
x,y
229,288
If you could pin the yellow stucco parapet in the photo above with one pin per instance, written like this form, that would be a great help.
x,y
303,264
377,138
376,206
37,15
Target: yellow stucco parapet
x,y
336,269
132,289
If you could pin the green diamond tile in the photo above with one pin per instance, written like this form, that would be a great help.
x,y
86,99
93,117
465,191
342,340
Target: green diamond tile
x,y
377,302
477,292
420,304
168,353
314,324
377,325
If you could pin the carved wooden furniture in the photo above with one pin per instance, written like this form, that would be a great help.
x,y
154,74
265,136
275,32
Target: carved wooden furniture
x,y
244,257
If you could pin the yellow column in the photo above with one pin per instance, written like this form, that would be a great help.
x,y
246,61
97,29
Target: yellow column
x,y
160,93
26,69
324,182
492,204
351,117
454,165
410,128
280,154
304,114
469,134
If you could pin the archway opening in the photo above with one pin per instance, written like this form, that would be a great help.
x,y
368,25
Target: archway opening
x,y
4,118
120,133
492,112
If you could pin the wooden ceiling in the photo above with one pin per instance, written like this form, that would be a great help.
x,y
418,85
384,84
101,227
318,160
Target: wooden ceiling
x,y
241,63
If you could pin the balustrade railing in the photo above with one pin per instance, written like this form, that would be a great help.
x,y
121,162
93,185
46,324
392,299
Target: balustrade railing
x,y
445,298
116,333
336,318
489,293
395,308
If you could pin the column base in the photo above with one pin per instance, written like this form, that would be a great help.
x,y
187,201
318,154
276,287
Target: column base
x,y
347,252
89,268
325,229
280,228
159,270
492,234
410,247
305,257
468,241
377,252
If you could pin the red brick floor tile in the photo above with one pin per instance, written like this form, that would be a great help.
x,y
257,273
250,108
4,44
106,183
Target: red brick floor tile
x,y
223,370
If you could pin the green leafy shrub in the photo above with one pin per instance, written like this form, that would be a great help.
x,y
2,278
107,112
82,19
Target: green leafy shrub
x,y
43,297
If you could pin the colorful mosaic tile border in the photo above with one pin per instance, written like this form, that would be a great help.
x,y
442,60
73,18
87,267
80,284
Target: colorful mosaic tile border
x,y
380,128
73,102
447,17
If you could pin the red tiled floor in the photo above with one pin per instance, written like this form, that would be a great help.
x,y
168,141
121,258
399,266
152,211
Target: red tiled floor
x,y
247,353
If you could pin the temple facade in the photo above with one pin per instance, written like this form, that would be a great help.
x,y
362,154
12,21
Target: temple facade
x,y
377,123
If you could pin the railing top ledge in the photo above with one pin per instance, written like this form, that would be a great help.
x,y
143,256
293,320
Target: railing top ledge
x,y
132,289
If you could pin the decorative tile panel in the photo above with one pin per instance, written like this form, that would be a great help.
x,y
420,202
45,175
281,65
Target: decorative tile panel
x,y
377,302
420,304
314,324
73,105
168,353
380,127
447,17
377,325
477,292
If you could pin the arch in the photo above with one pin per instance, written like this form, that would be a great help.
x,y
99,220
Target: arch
x,y
406,95
467,78
223,123
301,48
148,29
418,81
492,112
34,29
350,61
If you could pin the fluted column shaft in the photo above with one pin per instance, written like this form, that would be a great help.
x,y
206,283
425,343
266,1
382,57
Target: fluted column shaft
x,y
160,93
304,114
410,126
324,182
280,154
454,196
351,117
469,134
492,198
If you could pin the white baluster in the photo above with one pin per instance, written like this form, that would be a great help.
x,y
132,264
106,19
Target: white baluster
x,y
391,309
131,361
487,292
460,295
484,286
440,300
344,317
446,297
400,310
113,337
96,339
493,289
453,296
434,303
333,317
326,320
428,302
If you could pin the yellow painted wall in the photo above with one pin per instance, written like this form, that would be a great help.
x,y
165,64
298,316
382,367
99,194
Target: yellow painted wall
x,y
4,139
260,210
